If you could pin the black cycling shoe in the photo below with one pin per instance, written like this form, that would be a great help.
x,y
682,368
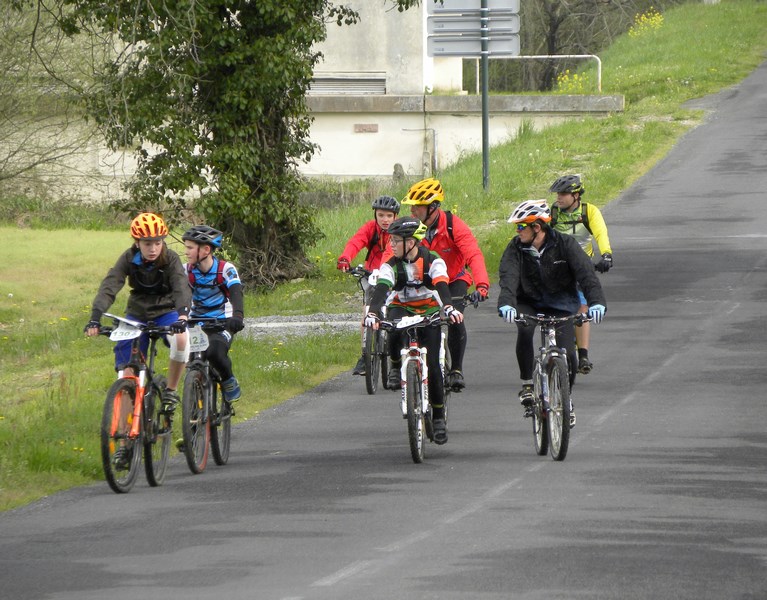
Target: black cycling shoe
x,y
440,431
526,398
359,368
394,382
122,457
584,365
455,381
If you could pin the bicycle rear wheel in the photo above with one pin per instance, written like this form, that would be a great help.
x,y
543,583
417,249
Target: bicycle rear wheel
x,y
415,417
157,433
372,360
195,424
221,428
559,408
120,455
540,424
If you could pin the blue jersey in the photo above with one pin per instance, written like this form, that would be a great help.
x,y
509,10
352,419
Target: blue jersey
x,y
208,297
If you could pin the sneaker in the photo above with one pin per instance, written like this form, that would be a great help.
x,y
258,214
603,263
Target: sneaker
x,y
584,365
526,398
359,368
180,444
572,415
122,458
455,381
169,401
440,431
231,389
394,382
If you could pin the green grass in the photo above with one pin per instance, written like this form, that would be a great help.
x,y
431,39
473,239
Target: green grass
x,y
55,379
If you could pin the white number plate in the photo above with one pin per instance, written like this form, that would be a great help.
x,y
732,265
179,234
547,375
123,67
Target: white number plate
x,y
124,332
198,339
408,321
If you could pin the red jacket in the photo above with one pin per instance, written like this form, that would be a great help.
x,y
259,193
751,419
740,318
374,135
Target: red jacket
x,y
458,252
371,236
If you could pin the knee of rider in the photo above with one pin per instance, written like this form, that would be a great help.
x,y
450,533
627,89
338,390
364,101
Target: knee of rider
x,y
179,350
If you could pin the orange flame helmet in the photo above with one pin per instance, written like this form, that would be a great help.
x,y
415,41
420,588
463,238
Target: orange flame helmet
x,y
148,226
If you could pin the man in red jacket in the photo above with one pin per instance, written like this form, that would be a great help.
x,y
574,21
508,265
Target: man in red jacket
x,y
374,237
451,238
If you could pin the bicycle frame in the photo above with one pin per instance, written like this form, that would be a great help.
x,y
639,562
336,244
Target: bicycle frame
x,y
551,408
414,352
141,367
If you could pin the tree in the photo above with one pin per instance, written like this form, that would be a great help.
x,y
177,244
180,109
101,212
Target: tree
x,y
42,133
210,95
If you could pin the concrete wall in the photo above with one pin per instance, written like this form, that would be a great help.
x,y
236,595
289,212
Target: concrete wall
x,y
390,42
365,136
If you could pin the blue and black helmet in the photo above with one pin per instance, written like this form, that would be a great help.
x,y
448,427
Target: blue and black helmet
x,y
202,234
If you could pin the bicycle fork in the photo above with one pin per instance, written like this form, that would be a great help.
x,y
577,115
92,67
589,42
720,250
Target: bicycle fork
x,y
411,353
135,423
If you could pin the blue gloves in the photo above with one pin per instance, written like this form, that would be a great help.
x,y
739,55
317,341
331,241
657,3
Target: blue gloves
x,y
509,313
597,313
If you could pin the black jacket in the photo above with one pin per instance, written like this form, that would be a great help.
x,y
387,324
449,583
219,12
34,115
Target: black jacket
x,y
548,280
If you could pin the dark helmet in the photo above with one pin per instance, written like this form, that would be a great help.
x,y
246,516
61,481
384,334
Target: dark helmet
x,y
568,184
202,234
386,203
406,227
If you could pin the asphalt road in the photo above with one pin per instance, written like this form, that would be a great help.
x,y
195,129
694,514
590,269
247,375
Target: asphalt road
x,y
663,493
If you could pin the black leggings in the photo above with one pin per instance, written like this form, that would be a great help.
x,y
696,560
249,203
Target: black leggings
x,y
218,353
456,332
526,342
431,338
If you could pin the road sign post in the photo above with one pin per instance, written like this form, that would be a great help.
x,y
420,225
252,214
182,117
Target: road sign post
x,y
475,28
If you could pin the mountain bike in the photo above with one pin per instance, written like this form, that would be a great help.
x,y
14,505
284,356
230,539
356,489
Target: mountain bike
x,y
551,387
375,342
414,374
133,419
206,416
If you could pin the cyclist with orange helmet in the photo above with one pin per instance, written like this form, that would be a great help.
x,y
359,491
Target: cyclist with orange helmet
x,y
540,273
372,236
451,238
159,292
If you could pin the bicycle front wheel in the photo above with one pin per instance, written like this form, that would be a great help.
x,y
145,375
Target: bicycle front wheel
x,y
559,408
120,455
415,417
195,424
157,433
221,428
540,424
372,360
383,352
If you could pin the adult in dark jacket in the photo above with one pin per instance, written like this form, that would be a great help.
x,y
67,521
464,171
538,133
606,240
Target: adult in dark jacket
x,y
539,273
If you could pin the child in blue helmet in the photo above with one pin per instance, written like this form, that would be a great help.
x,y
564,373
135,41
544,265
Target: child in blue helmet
x,y
216,293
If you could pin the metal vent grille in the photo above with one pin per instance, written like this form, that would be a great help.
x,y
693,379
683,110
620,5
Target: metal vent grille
x,y
351,84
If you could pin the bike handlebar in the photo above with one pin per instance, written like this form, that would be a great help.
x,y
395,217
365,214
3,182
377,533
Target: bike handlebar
x,y
541,319
208,324
435,319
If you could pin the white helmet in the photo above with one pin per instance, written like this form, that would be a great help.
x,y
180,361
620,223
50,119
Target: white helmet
x,y
530,211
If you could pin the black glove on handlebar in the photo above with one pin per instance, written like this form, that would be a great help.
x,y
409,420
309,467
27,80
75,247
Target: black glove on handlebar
x,y
235,324
603,266
178,327
91,325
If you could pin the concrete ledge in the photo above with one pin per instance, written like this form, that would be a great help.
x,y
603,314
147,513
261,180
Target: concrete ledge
x,y
465,104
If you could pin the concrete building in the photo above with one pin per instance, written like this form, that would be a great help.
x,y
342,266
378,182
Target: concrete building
x,y
380,104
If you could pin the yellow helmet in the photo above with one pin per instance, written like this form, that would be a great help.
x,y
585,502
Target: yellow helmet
x,y
425,192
